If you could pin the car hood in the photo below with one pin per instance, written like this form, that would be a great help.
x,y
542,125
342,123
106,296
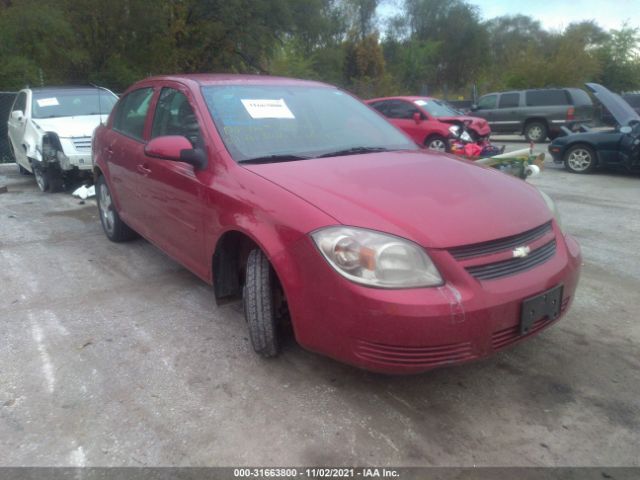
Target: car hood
x,y
80,126
617,106
477,124
436,200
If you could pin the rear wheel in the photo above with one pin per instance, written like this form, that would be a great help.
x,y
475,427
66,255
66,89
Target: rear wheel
x,y
536,132
48,179
114,228
580,159
259,299
436,143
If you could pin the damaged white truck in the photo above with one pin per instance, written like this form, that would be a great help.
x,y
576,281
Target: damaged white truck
x,y
50,130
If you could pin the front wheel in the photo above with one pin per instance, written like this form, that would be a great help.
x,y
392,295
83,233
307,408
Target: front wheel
x,y
48,179
437,143
114,228
580,159
259,296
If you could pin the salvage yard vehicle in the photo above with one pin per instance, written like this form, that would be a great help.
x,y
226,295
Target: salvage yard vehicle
x,y
588,149
50,131
295,197
429,121
537,113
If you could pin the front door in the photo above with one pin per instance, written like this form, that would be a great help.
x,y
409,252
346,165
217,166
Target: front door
x,y
16,128
174,203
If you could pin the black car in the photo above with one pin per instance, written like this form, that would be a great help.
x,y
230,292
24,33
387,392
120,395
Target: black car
x,y
619,146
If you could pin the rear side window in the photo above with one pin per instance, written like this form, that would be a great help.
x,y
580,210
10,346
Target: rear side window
x,y
542,98
132,111
20,103
380,106
509,100
488,102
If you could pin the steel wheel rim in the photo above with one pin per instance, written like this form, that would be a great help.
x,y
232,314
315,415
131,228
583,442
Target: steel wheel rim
x,y
39,178
579,159
106,210
437,145
535,133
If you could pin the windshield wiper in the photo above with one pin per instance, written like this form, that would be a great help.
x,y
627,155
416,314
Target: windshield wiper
x,y
287,157
354,151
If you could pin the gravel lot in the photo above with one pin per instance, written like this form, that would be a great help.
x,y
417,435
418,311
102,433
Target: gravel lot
x,y
115,355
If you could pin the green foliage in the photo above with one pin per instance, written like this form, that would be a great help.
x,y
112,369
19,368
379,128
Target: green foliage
x,y
438,45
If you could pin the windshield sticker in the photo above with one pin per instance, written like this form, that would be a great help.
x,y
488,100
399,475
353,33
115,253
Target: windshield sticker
x,y
421,103
47,102
262,108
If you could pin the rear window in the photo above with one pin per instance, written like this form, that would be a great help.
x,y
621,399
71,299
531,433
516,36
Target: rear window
x,y
509,100
541,98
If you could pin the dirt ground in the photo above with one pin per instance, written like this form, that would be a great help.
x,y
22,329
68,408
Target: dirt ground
x,y
115,355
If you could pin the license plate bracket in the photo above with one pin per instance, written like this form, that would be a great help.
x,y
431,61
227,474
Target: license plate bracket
x,y
546,304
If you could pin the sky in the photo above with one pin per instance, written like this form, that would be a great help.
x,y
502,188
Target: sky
x,y
552,14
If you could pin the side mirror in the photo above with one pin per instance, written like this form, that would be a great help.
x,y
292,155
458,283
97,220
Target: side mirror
x,y
626,129
474,107
417,117
17,115
177,149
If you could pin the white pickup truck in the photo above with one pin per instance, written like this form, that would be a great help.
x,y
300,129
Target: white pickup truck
x,y
50,130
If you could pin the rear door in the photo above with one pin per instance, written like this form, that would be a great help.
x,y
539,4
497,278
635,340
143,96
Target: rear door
x,y
16,128
125,151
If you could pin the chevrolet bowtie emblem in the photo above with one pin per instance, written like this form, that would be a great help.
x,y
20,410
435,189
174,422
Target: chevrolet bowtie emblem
x,y
521,252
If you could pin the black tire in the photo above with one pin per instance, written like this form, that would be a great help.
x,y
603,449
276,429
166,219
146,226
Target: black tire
x,y
114,228
580,159
536,131
259,305
437,143
48,179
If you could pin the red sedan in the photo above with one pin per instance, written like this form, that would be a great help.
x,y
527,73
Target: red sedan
x,y
428,120
297,198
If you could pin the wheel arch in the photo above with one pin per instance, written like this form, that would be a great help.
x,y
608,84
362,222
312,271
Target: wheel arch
x,y
534,119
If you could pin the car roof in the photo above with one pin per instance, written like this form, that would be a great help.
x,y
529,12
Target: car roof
x,y
410,98
204,79
65,87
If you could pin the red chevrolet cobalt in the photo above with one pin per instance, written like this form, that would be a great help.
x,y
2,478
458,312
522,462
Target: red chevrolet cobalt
x,y
299,199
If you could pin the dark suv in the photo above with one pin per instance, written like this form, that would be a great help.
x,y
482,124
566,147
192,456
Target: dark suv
x,y
537,114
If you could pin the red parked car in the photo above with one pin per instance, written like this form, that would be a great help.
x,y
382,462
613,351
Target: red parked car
x,y
297,198
428,121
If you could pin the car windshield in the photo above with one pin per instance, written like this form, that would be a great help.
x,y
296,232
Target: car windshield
x,y
437,108
284,123
71,103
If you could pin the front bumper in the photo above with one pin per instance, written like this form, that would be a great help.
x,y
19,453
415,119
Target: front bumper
x,y
556,153
77,153
414,330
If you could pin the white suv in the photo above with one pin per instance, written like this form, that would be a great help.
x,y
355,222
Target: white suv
x,y
50,131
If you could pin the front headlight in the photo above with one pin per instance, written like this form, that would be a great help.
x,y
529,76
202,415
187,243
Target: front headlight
x,y
552,207
454,130
376,259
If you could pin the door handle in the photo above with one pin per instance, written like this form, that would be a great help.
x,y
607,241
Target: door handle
x,y
143,170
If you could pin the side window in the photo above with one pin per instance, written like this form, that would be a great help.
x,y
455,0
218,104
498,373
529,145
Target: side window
x,y
20,103
132,112
380,106
488,102
541,98
509,100
400,109
174,116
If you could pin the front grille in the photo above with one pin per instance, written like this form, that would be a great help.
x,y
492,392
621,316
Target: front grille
x,y
414,356
512,266
507,336
493,246
82,143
